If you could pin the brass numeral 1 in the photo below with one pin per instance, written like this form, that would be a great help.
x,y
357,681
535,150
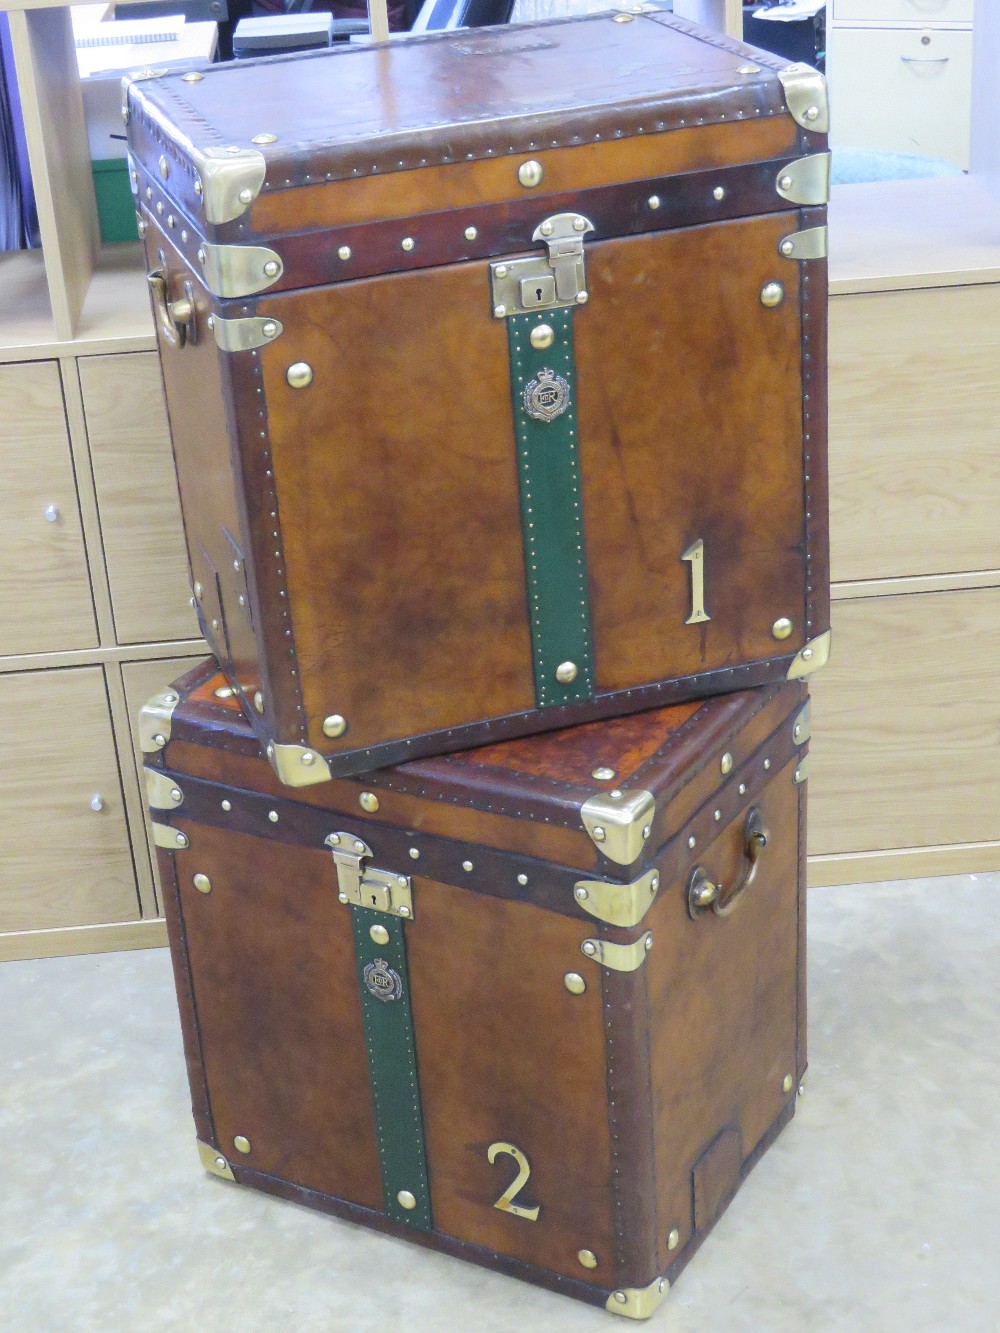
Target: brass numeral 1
x,y
695,557
506,1202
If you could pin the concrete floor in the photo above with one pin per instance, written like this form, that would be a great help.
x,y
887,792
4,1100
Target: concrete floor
x,y
877,1211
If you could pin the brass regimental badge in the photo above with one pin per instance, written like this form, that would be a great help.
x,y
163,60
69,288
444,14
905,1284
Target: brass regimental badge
x,y
546,396
382,981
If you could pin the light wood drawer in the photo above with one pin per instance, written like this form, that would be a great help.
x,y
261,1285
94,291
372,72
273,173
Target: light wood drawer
x,y
45,598
64,863
905,723
137,496
141,681
914,432
888,90
902,11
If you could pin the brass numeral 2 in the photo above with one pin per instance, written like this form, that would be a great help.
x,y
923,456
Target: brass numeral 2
x,y
695,557
506,1202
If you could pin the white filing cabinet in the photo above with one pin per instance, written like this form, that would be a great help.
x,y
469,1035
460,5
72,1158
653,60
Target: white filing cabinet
x,y
900,75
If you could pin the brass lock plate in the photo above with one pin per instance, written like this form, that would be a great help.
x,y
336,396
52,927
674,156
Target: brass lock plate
x,y
367,886
544,282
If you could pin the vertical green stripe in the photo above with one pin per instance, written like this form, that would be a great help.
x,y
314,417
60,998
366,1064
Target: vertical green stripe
x,y
392,1069
552,514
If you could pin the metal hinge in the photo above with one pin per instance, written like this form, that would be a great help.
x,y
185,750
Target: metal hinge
x,y
618,904
544,282
365,886
169,838
619,957
806,180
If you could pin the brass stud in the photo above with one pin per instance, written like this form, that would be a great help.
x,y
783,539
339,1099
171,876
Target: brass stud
x,y
589,948
787,247
582,298
264,138
344,253
159,210
785,182
782,628
812,113
140,224
718,194
546,228
201,255
379,934
198,187
175,795
530,174
653,202
272,816
192,77
692,842
620,1296
226,805
182,839
581,893
271,269
574,983
522,880
307,759
333,840
726,763
300,375
542,336
269,328
603,774
598,833
587,1258
566,673
471,233
368,801
499,311
245,196
674,1239
406,1199
407,243
202,883
414,854
772,294
749,69
501,270
164,166
334,725
787,1083
622,18
241,1143
579,224
743,789
404,910
466,866
258,701
767,764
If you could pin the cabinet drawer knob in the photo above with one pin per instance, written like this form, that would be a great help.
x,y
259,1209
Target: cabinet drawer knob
x,y
97,801
52,513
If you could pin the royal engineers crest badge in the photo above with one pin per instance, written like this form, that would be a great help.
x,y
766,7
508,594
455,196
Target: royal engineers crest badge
x,y
382,981
546,396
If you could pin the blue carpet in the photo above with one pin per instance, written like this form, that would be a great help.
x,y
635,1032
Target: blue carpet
x,y
853,166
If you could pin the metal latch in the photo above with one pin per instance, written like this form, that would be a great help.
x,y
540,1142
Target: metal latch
x,y
544,282
366,886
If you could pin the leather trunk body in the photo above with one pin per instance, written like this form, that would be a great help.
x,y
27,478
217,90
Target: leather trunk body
x,y
430,503
563,1057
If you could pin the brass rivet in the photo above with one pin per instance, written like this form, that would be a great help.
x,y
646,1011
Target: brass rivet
x,y
344,253
786,182
466,866
749,69
269,328
221,1163
620,1296
530,174
574,983
587,1258
171,221
414,854
674,1239
406,1199
271,269
307,759
215,625
718,194
692,842
787,247
333,840
343,897
581,893
241,1144
717,816
542,336
589,948
546,228
582,298
368,801
603,774
192,77
499,311
743,789
522,880
622,18
806,654
258,701
788,1083
767,764
649,943
379,934
647,830
175,795
501,270
198,590
272,816
159,208
202,256
160,740
471,233
579,224
164,166
404,910
245,196
264,138
226,805
198,187
726,762
782,628
653,202
334,725
140,224
407,243
598,834
566,673
182,839
202,883
812,113
300,375
772,294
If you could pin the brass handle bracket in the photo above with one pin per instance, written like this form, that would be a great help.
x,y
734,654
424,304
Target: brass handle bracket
x,y
704,895
176,318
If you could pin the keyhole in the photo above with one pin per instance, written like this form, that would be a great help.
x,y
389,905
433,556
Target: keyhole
x,y
538,294
374,900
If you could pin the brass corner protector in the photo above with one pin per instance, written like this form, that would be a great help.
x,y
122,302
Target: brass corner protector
x,y
806,180
619,825
230,182
243,335
806,97
169,838
802,770
154,720
162,791
619,957
297,765
810,657
802,724
809,243
638,1302
239,270
618,904
214,1162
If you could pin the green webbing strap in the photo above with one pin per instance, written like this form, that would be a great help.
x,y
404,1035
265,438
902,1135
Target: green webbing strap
x,y
384,986
543,380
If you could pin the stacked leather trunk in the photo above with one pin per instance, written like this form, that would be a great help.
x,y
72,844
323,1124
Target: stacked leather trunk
x,y
495,365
